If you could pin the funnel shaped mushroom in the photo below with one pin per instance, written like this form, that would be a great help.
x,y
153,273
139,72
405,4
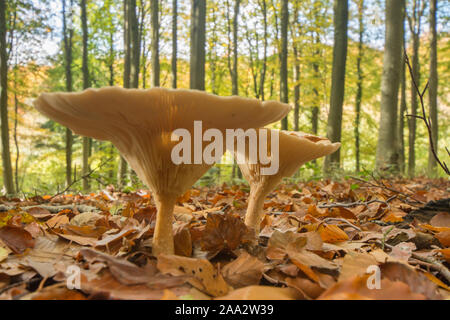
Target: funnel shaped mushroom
x,y
294,149
141,124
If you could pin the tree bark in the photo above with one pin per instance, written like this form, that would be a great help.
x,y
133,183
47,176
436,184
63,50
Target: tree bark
x,y
86,84
135,43
155,43
296,51
198,38
403,107
387,157
174,43
334,127
123,166
415,28
284,94
262,78
68,36
359,82
433,86
6,155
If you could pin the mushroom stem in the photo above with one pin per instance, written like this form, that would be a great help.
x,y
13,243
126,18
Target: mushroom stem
x,y
163,236
255,209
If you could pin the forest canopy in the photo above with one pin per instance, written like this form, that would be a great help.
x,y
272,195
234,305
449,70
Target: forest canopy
x,y
264,49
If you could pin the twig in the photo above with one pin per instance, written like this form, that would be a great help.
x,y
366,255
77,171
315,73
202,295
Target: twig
x,y
424,117
344,221
383,186
355,204
82,178
435,264
52,209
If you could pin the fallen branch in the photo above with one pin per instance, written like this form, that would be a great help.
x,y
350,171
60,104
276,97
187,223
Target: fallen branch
x,y
355,204
53,209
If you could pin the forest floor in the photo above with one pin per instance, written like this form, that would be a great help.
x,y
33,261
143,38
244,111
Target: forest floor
x,y
353,239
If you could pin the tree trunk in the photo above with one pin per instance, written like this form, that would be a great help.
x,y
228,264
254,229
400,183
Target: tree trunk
x,y
284,94
135,43
334,127
155,42
68,36
198,38
316,103
6,155
359,82
432,94
296,72
262,78
122,170
415,28
387,157
174,43
403,107
86,84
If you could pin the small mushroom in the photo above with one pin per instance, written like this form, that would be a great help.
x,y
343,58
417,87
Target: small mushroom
x,y
295,149
141,123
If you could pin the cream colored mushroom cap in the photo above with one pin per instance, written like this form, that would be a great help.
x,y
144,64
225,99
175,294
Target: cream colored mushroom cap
x,y
97,113
295,149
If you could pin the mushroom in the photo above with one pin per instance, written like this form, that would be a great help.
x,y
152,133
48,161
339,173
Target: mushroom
x,y
141,124
295,149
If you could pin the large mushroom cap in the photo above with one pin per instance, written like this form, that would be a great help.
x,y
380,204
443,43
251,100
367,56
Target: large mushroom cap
x,y
140,124
97,113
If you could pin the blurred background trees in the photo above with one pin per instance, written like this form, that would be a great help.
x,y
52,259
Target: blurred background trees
x,y
329,59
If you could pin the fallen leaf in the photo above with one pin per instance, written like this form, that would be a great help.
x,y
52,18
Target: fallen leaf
x,y
356,264
246,270
332,233
17,239
356,288
262,293
444,238
204,276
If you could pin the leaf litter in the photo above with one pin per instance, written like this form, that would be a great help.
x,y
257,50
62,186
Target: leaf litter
x,y
318,240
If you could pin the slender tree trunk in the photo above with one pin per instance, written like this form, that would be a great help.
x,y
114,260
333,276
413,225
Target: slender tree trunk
x,y
6,155
111,59
284,94
155,42
403,107
387,157
16,124
415,28
174,43
334,127
317,99
135,43
262,78
86,84
296,51
359,82
68,36
433,89
123,167
198,39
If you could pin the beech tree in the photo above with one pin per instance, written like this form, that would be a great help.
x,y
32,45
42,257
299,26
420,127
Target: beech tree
x,y
334,127
387,157
197,43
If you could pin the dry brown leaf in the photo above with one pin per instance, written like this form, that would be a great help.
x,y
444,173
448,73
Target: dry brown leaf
x,y
17,239
444,238
331,233
356,288
246,270
356,264
204,276
262,293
